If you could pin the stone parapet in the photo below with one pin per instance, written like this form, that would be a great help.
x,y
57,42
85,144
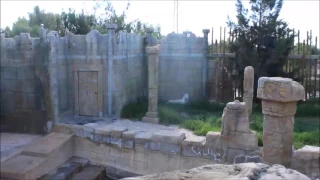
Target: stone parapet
x,y
151,149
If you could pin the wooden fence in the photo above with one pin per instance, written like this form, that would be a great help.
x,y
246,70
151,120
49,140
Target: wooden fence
x,y
304,60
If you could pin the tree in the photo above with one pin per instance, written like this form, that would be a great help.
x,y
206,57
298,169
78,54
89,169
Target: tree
x,y
79,23
264,41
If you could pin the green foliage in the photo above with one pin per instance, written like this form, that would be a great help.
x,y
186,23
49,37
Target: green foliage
x,y
169,115
309,108
135,110
263,40
79,23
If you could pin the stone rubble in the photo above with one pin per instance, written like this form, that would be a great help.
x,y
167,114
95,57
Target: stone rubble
x,y
245,171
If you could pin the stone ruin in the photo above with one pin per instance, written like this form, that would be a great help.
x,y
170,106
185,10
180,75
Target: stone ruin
x,y
146,152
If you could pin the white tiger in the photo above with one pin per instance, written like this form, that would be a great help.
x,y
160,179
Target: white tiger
x,y
184,100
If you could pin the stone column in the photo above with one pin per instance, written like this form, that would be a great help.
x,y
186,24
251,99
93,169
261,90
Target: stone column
x,y
53,105
108,94
279,103
248,83
205,63
153,58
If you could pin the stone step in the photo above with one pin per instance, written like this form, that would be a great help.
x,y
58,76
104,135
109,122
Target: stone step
x,y
90,172
19,166
39,158
67,169
45,146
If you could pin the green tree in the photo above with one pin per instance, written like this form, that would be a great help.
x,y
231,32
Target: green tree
x,y
20,26
264,41
78,23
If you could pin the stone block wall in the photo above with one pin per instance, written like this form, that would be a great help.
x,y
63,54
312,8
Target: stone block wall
x,y
307,161
182,64
22,93
130,70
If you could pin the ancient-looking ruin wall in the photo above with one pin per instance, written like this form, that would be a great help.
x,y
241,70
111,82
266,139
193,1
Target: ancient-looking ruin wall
x,y
181,66
129,69
22,94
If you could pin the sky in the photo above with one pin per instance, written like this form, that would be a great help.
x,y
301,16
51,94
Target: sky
x,y
193,16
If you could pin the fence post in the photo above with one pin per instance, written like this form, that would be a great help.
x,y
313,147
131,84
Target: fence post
x,y
111,34
205,63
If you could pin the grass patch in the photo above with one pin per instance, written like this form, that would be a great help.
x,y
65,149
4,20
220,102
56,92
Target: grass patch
x,y
202,117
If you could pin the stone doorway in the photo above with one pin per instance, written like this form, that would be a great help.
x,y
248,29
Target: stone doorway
x,y
88,93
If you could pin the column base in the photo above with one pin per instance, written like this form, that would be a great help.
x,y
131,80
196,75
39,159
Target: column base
x,y
151,117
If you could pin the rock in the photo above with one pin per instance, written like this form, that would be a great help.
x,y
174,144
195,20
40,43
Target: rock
x,y
245,171
307,153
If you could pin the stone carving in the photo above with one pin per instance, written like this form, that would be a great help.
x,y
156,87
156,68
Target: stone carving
x,y
248,85
279,102
184,100
152,114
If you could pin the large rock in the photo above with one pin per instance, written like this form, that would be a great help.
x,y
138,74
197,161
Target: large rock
x,y
245,171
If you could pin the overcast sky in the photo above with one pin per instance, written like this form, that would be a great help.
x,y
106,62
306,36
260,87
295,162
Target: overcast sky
x,y
193,15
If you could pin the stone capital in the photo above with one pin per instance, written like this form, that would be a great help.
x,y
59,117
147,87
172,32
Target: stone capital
x,y
112,26
280,89
205,31
153,49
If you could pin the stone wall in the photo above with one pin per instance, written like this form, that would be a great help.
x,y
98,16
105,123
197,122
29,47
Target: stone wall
x,y
130,69
22,93
143,152
182,66
307,161
47,78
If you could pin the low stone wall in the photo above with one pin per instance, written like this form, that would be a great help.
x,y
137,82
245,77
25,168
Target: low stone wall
x,y
142,153
306,160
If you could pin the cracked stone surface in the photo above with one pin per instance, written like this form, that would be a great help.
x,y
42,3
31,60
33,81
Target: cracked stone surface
x,y
245,171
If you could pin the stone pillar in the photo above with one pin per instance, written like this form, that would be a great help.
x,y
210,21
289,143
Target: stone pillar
x,y
53,39
205,63
248,83
108,94
279,103
153,58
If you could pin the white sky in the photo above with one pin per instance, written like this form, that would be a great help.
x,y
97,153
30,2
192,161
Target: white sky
x,y
193,15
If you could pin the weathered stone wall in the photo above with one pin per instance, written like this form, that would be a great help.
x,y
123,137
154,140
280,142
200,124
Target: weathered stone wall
x,y
182,65
307,161
22,93
129,69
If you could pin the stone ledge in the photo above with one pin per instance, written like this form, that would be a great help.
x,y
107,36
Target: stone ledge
x,y
122,140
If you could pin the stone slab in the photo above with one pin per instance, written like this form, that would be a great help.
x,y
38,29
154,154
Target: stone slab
x,y
19,166
67,169
90,172
280,89
46,145
150,120
243,141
